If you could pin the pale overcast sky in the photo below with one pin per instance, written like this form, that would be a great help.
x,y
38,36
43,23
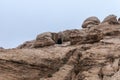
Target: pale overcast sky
x,y
22,20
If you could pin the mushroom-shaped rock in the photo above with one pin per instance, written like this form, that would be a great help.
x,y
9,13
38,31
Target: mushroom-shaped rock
x,y
111,19
89,22
44,39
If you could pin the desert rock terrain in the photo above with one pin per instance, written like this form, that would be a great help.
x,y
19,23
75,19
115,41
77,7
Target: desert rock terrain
x,y
91,53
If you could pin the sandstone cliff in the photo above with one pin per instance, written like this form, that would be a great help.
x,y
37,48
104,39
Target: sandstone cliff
x,y
91,53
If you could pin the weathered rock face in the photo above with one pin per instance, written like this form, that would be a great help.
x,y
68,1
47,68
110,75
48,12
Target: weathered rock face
x,y
32,64
87,36
111,19
27,44
64,35
67,33
95,55
47,39
91,21
75,36
44,39
57,36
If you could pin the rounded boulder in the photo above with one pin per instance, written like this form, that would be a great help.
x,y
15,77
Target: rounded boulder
x,y
91,21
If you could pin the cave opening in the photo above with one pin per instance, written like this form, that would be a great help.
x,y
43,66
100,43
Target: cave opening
x,y
59,41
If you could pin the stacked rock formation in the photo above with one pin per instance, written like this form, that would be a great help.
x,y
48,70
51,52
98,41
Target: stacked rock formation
x,y
94,54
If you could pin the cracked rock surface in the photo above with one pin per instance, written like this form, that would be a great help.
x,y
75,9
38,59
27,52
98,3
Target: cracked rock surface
x,y
89,54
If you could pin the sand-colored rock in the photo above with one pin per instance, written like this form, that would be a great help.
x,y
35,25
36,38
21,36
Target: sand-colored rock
x,y
86,54
29,64
110,19
91,21
44,39
27,44
88,36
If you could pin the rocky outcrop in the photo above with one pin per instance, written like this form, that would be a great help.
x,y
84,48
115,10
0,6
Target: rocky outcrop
x,y
57,36
111,19
91,21
48,39
87,36
44,39
92,54
27,44
29,64
67,34
64,35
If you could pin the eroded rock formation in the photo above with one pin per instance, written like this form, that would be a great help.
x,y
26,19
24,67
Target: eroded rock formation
x,y
91,21
111,19
44,39
88,36
27,44
93,54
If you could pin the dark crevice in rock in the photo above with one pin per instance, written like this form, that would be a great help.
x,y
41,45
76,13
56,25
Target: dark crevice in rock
x,y
59,41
